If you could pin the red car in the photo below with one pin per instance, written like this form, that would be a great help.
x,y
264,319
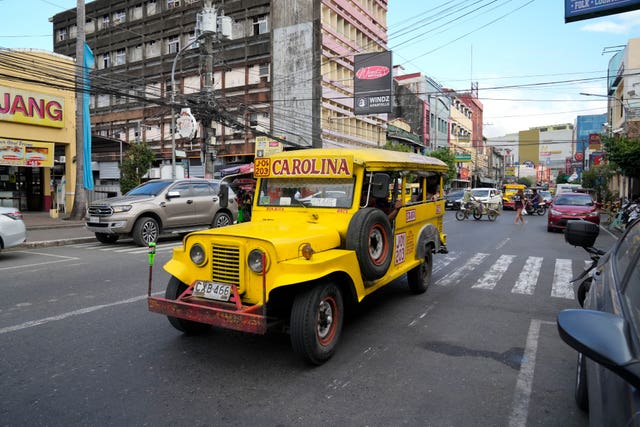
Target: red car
x,y
569,206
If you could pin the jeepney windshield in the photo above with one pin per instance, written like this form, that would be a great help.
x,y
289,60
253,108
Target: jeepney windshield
x,y
308,192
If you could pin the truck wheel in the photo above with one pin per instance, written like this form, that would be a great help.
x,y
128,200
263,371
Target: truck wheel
x,y
369,235
316,322
175,288
145,231
221,219
419,278
106,237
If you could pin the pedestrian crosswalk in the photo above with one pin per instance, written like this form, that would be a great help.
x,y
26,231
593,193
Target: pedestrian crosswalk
x,y
484,271
481,271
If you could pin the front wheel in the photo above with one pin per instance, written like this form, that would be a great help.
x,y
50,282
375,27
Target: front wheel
x,y
106,237
175,288
492,215
146,231
461,214
316,322
221,219
419,278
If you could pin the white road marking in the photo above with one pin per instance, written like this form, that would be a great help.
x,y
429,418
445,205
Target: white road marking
x,y
32,265
62,316
441,263
528,277
524,384
493,276
501,244
562,276
458,274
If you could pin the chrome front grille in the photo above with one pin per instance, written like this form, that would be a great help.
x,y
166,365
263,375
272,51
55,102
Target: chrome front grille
x,y
100,210
225,264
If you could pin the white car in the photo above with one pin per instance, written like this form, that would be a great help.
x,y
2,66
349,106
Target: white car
x,y
12,230
488,196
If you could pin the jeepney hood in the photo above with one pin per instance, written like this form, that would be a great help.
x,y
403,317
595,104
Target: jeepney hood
x,y
285,236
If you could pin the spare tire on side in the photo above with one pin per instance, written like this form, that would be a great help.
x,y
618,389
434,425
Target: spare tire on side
x,y
369,235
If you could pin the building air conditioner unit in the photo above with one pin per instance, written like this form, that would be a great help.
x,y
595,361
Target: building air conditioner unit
x,y
62,159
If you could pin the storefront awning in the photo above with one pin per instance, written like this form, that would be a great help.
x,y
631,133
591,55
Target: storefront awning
x,y
234,170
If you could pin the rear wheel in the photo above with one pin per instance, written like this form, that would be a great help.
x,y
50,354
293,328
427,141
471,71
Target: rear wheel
x,y
492,216
419,278
316,322
106,237
477,213
175,288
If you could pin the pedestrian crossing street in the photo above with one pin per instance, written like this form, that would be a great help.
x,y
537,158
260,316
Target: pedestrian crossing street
x,y
486,272
480,271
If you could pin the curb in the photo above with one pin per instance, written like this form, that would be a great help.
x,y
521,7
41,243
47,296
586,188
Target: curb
x,y
50,243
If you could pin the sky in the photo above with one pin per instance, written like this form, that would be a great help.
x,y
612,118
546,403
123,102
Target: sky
x,y
530,67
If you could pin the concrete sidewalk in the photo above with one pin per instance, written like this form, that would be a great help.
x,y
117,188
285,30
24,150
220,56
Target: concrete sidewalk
x,y
44,231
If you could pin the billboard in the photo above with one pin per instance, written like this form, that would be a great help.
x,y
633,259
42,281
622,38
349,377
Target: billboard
x,y
26,153
577,10
372,83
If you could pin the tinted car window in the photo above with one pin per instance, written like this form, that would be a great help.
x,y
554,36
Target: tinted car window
x,y
627,252
182,188
580,200
151,188
201,189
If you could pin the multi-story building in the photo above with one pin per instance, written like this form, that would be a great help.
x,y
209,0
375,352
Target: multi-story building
x,y
283,73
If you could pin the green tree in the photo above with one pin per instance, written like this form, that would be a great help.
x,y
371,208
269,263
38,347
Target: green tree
x,y
525,180
598,178
396,146
624,154
449,158
136,163
562,178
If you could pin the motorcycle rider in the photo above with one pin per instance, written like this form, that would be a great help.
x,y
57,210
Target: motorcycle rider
x,y
469,200
535,199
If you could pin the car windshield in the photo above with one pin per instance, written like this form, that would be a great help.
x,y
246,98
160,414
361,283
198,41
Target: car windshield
x,y
151,188
574,200
311,192
455,194
480,193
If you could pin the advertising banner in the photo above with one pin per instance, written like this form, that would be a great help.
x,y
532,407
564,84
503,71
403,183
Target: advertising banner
x,y
266,146
26,153
594,141
577,10
373,83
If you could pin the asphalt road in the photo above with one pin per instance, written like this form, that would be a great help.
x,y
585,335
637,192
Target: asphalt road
x,y
479,348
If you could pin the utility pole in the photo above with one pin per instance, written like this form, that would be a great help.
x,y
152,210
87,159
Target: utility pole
x,y
80,197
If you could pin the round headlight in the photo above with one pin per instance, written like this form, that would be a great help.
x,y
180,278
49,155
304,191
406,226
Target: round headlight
x,y
197,255
254,260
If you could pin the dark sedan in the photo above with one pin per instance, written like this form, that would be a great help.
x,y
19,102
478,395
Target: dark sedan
x,y
571,206
606,333
452,199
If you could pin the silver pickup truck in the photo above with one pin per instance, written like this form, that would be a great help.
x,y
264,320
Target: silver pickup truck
x,y
162,205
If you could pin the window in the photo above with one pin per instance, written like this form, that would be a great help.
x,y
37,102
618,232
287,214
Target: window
x,y
173,44
73,31
172,4
105,21
135,53
260,25
151,7
121,57
106,60
62,34
119,17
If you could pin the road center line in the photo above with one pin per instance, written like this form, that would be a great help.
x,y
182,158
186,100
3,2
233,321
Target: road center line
x,y
62,316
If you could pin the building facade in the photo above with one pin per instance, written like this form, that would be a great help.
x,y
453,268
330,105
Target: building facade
x,y
37,130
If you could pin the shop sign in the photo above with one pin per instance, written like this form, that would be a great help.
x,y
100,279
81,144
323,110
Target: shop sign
x,y
267,146
26,153
463,157
34,108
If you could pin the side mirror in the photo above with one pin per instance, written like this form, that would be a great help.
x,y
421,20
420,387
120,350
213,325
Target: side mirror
x,y
380,185
581,233
173,194
224,195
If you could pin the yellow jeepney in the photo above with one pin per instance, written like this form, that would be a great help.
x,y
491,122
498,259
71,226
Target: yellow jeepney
x,y
508,191
319,237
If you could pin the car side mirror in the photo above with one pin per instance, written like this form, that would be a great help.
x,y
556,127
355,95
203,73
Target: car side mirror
x,y
173,194
224,195
380,185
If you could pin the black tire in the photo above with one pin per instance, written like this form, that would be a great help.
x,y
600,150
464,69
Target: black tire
x,y
107,238
419,278
581,393
369,235
221,219
145,231
492,216
317,316
174,289
460,215
549,229
477,213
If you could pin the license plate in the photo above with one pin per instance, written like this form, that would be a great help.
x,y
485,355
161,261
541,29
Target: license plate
x,y
94,219
212,290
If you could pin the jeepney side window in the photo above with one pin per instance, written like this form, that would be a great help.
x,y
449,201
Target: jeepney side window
x,y
307,192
